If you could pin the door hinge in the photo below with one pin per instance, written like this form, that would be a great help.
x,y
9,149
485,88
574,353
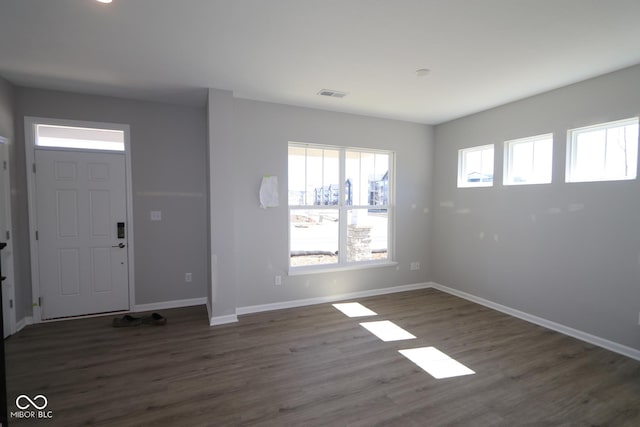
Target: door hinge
x,y
4,164
39,301
34,168
8,234
10,303
36,234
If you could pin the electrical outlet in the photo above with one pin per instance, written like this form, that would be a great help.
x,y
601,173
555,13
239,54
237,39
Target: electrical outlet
x,y
278,280
415,265
187,277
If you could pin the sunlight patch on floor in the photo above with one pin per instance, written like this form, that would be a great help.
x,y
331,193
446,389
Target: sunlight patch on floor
x,y
387,331
354,309
436,363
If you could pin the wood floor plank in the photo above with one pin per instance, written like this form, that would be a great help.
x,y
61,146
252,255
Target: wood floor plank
x,y
313,366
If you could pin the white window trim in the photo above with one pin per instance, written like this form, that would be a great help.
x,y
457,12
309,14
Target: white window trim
x,y
84,142
462,182
572,137
342,264
508,158
332,268
30,147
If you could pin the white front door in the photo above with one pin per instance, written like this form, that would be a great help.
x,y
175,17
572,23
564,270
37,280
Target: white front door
x,y
6,255
82,237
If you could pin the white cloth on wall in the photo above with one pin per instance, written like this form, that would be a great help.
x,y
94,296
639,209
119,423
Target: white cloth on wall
x,y
269,192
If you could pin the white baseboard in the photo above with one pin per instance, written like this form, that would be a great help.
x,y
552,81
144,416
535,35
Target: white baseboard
x,y
331,298
170,304
22,323
563,329
222,320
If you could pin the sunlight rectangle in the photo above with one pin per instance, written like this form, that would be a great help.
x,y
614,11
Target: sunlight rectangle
x,y
354,309
387,331
436,363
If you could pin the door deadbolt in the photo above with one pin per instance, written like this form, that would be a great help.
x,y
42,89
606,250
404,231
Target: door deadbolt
x,y
120,230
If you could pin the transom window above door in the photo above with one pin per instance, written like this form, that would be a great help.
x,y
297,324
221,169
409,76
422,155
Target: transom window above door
x,y
57,136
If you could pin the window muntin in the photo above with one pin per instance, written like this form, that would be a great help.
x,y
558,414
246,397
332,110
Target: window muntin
x,y
475,166
339,205
366,178
79,137
528,160
604,152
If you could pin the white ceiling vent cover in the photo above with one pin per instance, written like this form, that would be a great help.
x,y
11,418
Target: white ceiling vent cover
x,y
332,93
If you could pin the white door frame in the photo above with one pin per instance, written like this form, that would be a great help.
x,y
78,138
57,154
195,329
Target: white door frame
x,y
30,138
4,145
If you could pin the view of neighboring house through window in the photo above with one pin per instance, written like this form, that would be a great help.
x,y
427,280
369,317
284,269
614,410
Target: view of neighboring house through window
x,y
528,160
475,166
339,205
603,152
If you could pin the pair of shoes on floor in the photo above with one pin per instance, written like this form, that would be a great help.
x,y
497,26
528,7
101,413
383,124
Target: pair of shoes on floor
x,y
155,319
128,320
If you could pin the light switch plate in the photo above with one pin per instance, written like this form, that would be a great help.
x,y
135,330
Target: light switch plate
x,y
156,216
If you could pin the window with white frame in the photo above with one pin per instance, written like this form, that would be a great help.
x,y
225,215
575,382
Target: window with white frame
x,y
528,160
58,136
604,152
475,166
340,206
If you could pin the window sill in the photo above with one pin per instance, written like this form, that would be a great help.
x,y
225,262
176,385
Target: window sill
x,y
582,180
480,185
300,271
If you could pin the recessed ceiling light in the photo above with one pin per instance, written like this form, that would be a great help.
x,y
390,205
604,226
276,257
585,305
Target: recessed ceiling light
x,y
422,72
104,1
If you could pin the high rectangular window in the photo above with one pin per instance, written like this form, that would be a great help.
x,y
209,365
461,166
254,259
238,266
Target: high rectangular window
x,y
340,205
528,160
604,152
475,166
79,138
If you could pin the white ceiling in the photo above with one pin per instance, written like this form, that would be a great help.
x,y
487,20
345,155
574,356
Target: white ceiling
x,y
481,53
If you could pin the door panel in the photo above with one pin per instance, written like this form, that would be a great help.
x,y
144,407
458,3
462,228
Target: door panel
x,y
80,198
101,272
99,213
67,213
69,270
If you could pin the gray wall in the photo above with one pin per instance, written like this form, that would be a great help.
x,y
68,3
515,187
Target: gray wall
x,y
168,144
569,253
258,240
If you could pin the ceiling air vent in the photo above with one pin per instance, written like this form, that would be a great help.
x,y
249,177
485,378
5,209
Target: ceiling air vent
x,y
332,93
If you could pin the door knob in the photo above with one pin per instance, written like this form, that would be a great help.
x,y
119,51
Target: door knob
x,y
119,245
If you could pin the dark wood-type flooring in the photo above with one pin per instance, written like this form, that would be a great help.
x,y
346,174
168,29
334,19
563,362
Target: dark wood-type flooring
x,y
313,366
